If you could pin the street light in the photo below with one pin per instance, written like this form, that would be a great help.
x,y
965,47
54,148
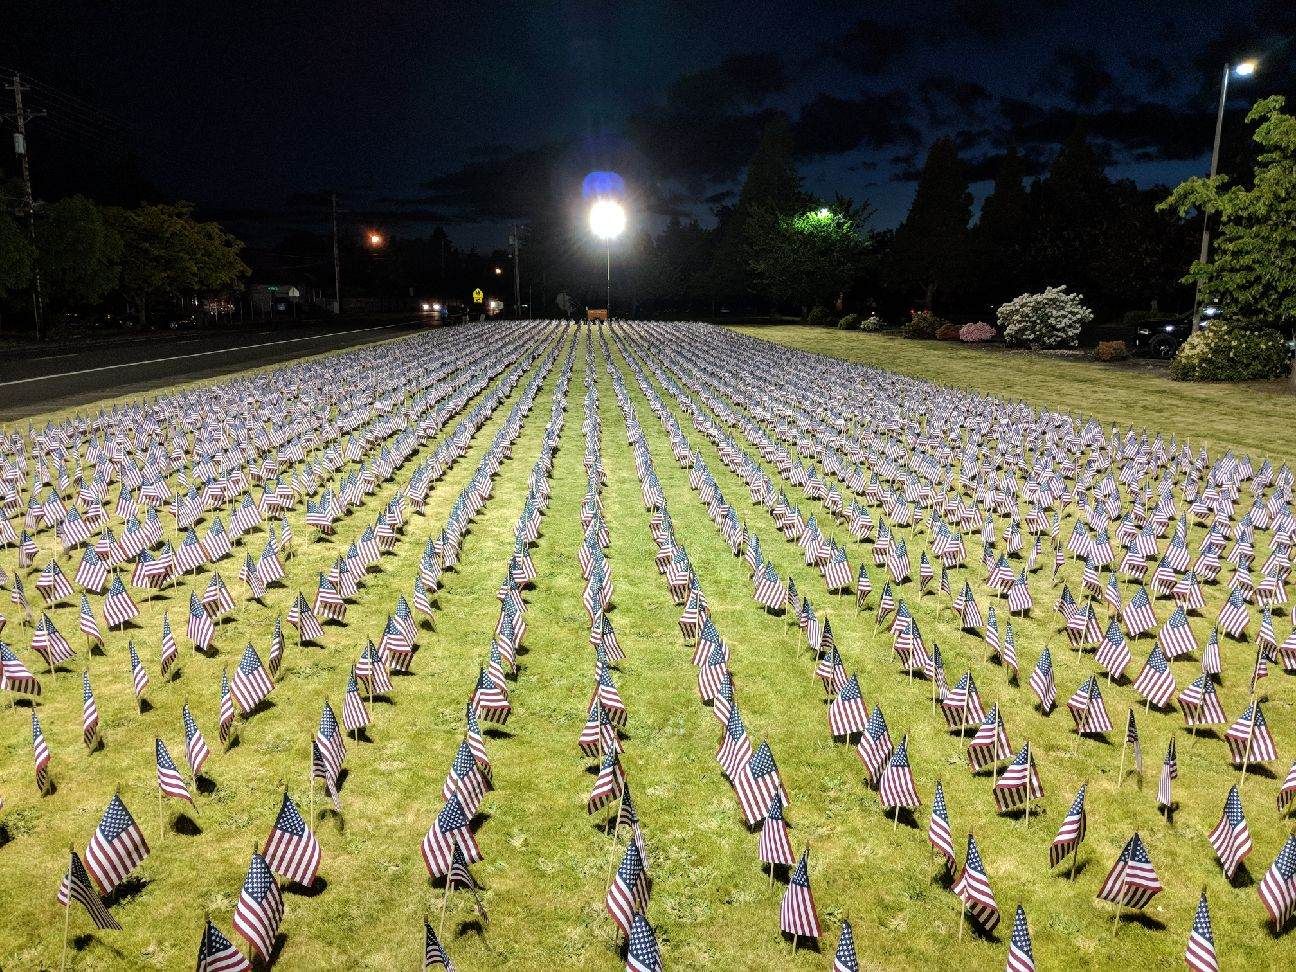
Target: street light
x,y
375,238
1243,69
498,271
607,219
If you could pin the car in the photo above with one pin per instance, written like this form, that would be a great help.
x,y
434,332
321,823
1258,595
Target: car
x,y
1162,338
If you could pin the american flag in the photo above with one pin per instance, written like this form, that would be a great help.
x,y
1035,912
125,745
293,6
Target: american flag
x,y
169,651
274,656
200,629
139,677
1249,738
89,713
1277,889
1138,615
490,701
1132,881
1088,710
40,754
846,713
465,779
972,887
226,715
1132,739
450,829
1072,831
845,959
938,830
1154,683
1201,705
896,785
216,953
434,956
1041,681
260,908
1200,954
14,676
1021,956
76,887
195,745
797,916
170,782
735,746
874,748
1176,636
118,606
756,782
1288,789
92,574
1169,772
331,747
774,847
116,848
88,623
607,785
291,850
990,744
354,714
1234,616
1019,783
250,684
1231,837
641,950
628,892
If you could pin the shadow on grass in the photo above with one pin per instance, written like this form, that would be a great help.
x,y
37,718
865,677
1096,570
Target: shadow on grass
x,y
126,891
1142,920
314,890
186,826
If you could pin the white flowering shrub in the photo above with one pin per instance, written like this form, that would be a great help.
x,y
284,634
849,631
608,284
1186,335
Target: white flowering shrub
x,y
1226,352
1051,319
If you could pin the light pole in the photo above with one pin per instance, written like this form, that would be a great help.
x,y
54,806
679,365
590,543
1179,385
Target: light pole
x,y
607,219
1243,69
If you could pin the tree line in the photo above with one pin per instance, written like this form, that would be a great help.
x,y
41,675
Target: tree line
x,y
79,254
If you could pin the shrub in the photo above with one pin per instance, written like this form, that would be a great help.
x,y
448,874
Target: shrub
x,y
1228,352
923,324
948,332
850,322
1111,351
821,316
977,332
1051,319
872,323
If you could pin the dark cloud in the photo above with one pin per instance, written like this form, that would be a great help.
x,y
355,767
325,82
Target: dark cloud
x,y
1079,75
829,125
949,101
986,19
869,47
1145,131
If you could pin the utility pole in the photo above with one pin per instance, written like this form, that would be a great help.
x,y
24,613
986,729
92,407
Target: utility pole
x,y
517,287
337,273
20,117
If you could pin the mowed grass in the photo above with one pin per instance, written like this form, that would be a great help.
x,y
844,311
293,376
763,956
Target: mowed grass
x,y
1258,418
546,864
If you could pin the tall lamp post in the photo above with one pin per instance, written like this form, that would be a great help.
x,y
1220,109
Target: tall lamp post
x,y
1243,69
607,219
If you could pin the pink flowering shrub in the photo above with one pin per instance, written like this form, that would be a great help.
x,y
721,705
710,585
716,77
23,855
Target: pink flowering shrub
x,y
976,332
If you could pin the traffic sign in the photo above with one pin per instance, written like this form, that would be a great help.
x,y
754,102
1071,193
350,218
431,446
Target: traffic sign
x,y
478,296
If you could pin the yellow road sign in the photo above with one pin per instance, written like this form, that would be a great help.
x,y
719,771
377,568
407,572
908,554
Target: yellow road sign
x,y
478,296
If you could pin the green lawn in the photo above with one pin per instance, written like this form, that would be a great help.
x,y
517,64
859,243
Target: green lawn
x,y
546,865
1255,417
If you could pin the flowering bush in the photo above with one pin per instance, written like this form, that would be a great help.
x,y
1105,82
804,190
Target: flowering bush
x,y
872,323
948,332
821,316
923,324
850,322
977,332
1051,319
1228,352
1111,351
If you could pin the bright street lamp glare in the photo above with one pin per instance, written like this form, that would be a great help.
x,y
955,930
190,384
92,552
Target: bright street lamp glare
x,y
607,219
1245,69
375,239
823,213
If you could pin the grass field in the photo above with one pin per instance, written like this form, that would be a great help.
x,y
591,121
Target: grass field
x,y
546,863
1255,417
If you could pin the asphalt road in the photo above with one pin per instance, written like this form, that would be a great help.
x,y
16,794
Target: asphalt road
x,y
34,383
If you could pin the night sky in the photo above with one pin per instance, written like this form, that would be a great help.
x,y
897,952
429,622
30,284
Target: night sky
x,y
470,115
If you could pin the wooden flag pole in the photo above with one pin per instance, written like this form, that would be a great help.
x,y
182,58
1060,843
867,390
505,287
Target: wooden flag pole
x,y
1246,756
962,918
895,819
1120,779
1075,856
161,814
1116,921
67,911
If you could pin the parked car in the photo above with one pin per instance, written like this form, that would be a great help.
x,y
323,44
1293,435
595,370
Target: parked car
x,y
1162,338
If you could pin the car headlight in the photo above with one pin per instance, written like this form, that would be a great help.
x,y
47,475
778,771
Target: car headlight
x,y
1170,328
1144,331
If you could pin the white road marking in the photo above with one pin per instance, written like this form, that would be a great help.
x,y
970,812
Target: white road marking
x,y
198,354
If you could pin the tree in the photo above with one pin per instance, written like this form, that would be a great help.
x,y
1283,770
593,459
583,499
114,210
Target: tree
x,y
1001,238
78,253
809,257
771,188
15,256
166,253
930,251
1253,272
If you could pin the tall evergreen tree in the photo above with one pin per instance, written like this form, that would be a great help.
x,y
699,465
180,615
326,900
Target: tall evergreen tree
x,y
772,187
930,250
1001,238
